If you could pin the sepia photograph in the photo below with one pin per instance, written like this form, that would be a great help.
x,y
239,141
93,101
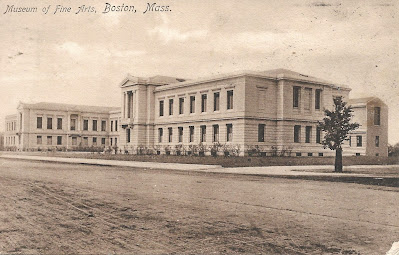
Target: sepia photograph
x,y
199,127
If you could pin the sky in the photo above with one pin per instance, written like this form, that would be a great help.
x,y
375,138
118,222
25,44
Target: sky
x,y
82,58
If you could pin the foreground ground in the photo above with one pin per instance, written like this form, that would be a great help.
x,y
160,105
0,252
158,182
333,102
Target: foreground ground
x,y
50,208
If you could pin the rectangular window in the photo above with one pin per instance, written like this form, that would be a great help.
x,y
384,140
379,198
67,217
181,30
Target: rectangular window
x,y
261,132
192,104
307,99
112,126
39,122
128,135
86,125
318,135
170,134
170,106
216,101
161,108
59,140
85,141
203,134
350,141
191,134
74,141
103,141
215,133
377,116
111,141
317,100
116,125
180,134
94,141
103,125
94,125
377,141
229,132
39,139
230,100
359,141
49,123
116,141
59,123
297,133
49,140
160,135
181,105
308,134
73,124
296,96
204,99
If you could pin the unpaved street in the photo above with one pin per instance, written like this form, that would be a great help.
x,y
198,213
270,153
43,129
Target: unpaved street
x,y
49,208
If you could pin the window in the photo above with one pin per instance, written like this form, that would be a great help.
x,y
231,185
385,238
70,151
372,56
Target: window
x,y
297,133
308,134
317,100
49,123
116,125
229,100
170,134
181,105
86,125
296,96
111,141
160,135
59,123
59,140
170,106
39,139
49,140
377,141
204,100
216,101
161,108
94,125
73,124
85,141
261,132
94,141
203,134
112,126
318,135
350,141
128,135
39,122
307,99
191,134
74,140
103,141
180,134
103,125
116,141
377,116
229,133
192,104
359,141
215,133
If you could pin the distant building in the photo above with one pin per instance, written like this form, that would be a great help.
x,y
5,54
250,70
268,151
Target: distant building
x,y
275,112
1,141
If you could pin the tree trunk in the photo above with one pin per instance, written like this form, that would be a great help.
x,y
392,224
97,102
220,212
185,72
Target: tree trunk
x,y
338,160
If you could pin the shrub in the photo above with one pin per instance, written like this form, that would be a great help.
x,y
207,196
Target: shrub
x,y
214,149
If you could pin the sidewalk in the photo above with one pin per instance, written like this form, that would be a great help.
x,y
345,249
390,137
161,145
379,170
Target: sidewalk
x,y
265,171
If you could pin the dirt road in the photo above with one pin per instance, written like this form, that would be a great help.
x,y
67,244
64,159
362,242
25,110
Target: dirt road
x,y
49,208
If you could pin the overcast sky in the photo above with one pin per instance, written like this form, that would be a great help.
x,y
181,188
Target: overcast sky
x,y
82,58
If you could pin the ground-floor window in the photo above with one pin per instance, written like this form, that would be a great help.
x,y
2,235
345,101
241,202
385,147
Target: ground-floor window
x,y
203,134
191,134
359,141
215,133
103,141
94,141
297,133
261,132
308,134
229,129
377,141
39,139
170,136
85,141
74,141
160,135
180,134
59,140
49,140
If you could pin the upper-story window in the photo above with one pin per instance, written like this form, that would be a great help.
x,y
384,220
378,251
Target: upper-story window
x,y
317,100
296,96
171,106
112,126
204,99
59,123
192,104
377,116
116,125
161,108
73,124
103,125
307,99
230,97
94,125
181,105
216,101
85,125
49,123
